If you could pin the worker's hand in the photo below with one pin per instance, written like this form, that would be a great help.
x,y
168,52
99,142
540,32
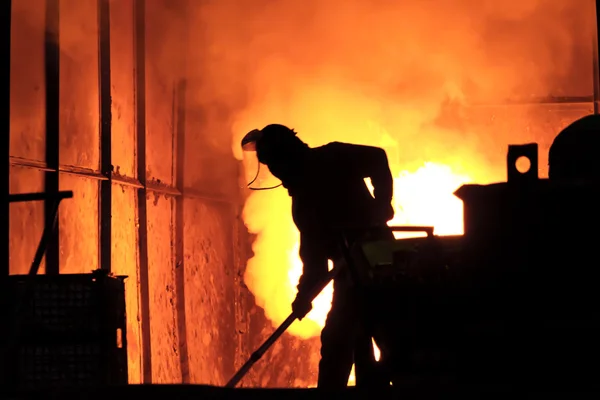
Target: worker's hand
x,y
301,306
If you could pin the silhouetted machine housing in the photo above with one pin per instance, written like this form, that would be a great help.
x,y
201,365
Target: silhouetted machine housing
x,y
513,301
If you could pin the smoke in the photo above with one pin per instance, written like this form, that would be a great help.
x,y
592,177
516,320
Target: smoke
x,y
401,75
403,60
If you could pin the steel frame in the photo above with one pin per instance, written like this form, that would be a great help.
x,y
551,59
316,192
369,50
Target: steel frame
x,y
51,185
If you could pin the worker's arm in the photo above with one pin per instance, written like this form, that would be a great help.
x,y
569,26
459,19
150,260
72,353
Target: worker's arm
x,y
314,262
372,162
314,269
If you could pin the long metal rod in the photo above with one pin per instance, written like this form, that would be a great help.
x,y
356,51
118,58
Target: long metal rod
x,y
140,115
595,52
151,186
5,40
52,74
179,111
257,355
105,198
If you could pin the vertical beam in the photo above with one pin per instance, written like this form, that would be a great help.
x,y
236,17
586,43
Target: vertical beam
x,y
5,31
52,74
105,134
595,52
179,139
5,26
140,115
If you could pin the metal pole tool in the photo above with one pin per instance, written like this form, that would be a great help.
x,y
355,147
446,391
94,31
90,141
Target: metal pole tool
x,y
318,288
257,355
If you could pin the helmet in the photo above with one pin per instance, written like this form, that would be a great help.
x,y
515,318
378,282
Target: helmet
x,y
263,147
275,143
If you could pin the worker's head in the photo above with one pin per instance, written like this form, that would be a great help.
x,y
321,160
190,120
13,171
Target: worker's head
x,y
277,143
574,152
277,147
281,150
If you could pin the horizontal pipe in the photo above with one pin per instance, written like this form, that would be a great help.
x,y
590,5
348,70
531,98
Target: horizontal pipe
x,y
22,197
67,169
124,180
550,101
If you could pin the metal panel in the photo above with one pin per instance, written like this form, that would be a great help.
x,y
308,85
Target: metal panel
x,y
26,219
123,102
163,61
78,229
79,104
209,291
27,128
124,262
211,167
161,274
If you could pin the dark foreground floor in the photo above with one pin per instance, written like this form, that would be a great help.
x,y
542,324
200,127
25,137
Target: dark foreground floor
x,y
198,392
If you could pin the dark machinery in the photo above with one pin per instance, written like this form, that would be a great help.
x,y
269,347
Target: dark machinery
x,y
513,301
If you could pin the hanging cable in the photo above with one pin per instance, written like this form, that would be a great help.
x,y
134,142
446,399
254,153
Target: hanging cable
x,y
256,177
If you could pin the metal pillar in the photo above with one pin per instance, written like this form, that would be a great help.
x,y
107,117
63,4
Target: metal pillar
x,y
105,206
5,31
180,96
5,26
142,214
52,73
595,52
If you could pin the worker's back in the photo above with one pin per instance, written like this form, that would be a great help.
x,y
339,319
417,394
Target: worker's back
x,y
332,193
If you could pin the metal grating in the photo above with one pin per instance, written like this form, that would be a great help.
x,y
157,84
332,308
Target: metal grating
x,y
60,365
66,331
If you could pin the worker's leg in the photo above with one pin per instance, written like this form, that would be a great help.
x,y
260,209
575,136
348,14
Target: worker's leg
x,y
337,341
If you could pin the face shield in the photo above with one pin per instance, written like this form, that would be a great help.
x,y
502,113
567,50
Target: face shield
x,y
256,173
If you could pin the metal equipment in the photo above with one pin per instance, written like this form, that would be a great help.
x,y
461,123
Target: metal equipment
x,y
62,330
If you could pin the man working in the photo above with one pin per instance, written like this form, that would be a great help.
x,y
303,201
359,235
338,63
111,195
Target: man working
x,y
328,194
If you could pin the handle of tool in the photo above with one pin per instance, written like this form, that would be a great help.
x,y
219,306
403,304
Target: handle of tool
x,y
257,355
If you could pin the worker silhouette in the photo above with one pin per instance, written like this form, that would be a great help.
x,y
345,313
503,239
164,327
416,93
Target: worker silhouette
x,y
328,191
574,153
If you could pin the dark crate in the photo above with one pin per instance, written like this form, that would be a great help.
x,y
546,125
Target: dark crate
x,y
65,331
